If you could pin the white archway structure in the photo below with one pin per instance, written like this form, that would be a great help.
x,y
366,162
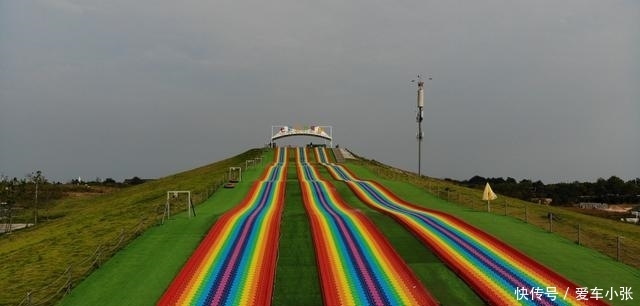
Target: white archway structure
x,y
321,131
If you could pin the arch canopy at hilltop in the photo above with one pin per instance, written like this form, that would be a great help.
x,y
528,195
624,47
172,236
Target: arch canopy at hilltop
x,y
320,131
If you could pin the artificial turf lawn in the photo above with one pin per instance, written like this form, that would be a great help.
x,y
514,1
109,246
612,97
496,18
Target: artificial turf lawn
x,y
297,281
441,282
139,273
582,265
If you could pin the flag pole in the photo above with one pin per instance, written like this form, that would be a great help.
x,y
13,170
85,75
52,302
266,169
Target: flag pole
x,y
488,195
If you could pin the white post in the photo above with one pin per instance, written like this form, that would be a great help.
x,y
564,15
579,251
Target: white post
x,y
167,206
271,136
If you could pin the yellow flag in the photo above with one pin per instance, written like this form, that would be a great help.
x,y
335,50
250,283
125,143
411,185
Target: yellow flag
x,y
488,194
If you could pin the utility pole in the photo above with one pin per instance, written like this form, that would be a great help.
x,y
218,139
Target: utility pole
x,y
37,178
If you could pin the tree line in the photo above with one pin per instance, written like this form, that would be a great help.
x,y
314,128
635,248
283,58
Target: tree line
x,y
611,191
35,188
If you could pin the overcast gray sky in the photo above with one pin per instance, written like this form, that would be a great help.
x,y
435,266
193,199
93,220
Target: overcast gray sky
x,y
539,89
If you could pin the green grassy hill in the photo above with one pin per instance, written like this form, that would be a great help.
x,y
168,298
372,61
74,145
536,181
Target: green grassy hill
x,y
83,233
616,239
585,266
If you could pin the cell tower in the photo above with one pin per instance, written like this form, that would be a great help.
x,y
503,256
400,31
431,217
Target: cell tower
x,y
419,118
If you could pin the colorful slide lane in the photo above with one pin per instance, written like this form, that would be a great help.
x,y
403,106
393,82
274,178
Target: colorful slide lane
x,y
496,271
235,263
357,264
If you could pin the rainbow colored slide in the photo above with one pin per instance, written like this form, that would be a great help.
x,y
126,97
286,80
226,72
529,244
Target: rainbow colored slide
x,y
235,263
357,264
500,274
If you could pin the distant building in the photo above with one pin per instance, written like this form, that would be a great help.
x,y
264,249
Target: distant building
x,y
545,201
593,205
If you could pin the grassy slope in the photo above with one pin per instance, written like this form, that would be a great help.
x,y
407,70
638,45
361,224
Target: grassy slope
x,y
445,285
596,233
448,288
33,258
297,279
148,265
582,265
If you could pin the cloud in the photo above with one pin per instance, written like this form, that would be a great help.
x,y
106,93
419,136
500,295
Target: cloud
x,y
541,78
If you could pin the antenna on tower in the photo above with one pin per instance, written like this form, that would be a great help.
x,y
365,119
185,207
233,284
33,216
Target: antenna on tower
x,y
419,80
